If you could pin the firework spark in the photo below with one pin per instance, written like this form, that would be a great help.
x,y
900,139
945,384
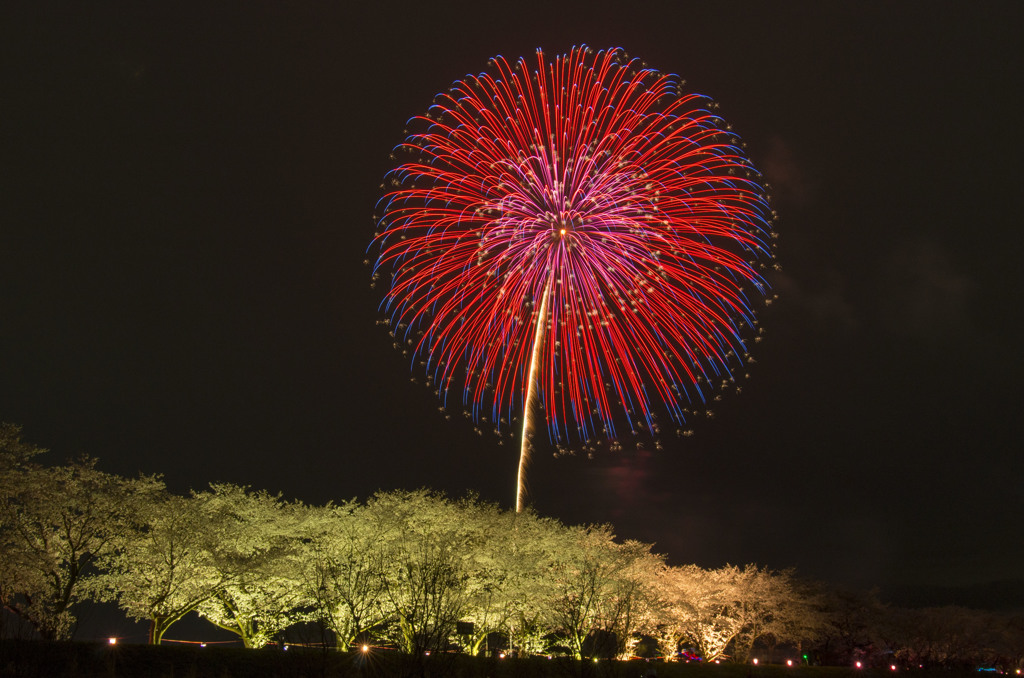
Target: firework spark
x,y
583,233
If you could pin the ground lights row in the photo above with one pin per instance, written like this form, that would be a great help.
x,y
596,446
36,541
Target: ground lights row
x,y
501,655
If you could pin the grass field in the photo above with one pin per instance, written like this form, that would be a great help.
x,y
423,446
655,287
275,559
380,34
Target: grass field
x,y
37,659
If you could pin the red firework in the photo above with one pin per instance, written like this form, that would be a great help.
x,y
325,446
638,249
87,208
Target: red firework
x,y
582,232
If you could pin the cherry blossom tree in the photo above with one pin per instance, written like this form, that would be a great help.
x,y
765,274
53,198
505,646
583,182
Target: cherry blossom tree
x,y
55,523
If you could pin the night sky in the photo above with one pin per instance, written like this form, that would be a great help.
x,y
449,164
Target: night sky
x,y
186,206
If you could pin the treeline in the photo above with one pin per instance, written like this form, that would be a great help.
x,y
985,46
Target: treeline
x,y
424,573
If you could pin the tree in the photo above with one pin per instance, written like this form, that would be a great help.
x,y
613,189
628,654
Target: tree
x,y
632,602
169,566
509,586
55,522
343,568
1008,644
700,608
257,554
772,608
601,586
850,627
797,615
426,573
491,581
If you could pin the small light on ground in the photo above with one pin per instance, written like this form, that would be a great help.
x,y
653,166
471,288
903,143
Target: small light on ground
x,y
755,660
366,648
112,641
789,662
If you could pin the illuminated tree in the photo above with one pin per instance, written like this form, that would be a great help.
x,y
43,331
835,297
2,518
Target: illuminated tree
x,y
509,583
634,603
798,617
342,569
168,567
426,573
773,607
601,586
701,608
55,522
256,551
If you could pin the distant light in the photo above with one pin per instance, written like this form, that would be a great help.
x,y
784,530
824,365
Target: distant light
x,y
892,667
501,655
113,641
285,648
716,661
366,648
858,665
755,660
427,653
202,644
789,662
595,660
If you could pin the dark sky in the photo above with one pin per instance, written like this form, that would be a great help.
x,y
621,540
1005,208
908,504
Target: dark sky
x,y
186,205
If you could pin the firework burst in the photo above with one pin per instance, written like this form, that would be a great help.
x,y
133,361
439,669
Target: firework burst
x,y
581,238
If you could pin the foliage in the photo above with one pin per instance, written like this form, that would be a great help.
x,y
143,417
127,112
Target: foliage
x,y
342,568
850,631
258,554
510,586
55,522
422,573
704,602
427,563
171,564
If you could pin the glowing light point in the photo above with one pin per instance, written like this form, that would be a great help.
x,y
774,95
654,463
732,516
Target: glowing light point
x,y
755,661
789,662
858,665
112,641
366,648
